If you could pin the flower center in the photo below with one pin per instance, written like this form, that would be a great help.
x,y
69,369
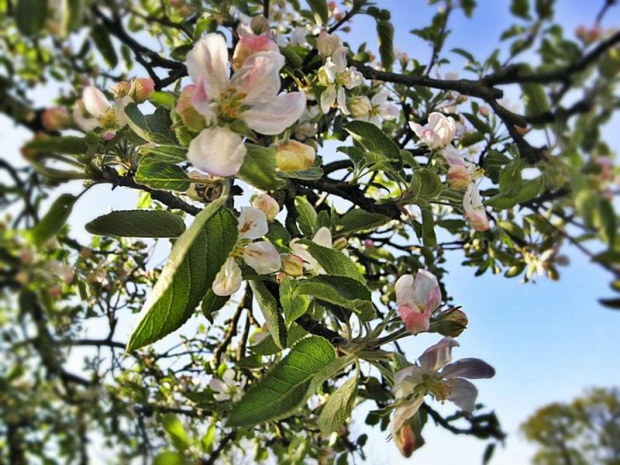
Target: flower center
x,y
108,119
230,104
441,388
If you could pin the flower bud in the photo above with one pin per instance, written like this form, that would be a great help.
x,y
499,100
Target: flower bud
x,y
327,44
142,89
450,323
263,257
359,107
121,89
294,156
405,440
340,243
54,292
267,205
292,265
458,177
56,119
190,117
259,25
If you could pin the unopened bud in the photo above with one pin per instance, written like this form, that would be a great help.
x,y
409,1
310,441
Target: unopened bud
x,y
121,89
450,323
340,243
142,89
292,265
56,119
328,43
259,25
267,205
459,177
359,106
405,440
294,156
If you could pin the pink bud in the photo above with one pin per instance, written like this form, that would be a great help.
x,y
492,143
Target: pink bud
x,y
248,46
292,265
56,119
458,177
121,89
142,89
267,205
294,156
405,440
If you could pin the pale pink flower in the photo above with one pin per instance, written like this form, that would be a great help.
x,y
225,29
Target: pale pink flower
x,y
335,76
374,110
252,223
267,204
460,171
439,131
434,374
220,140
228,279
473,209
95,110
250,96
417,298
263,257
248,46
142,89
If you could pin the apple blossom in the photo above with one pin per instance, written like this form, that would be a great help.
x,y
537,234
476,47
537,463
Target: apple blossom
x,y
460,171
252,223
267,204
226,389
328,43
439,131
263,257
374,110
249,96
95,110
141,89
434,374
473,209
294,156
228,279
335,76
55,118
417,298
322,237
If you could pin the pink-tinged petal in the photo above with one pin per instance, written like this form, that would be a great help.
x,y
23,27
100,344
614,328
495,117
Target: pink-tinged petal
x,y
87,124
472,368
473,209
458,177
453,156
438,355
327,43
263,257
208,61
418,129
427,292
301,251
200,99
218,386
252,223
271,118
259,77
249,45
415,321
406,380
404,412
217,151
95,102
405,294
464,395
328,98
323,237
389,111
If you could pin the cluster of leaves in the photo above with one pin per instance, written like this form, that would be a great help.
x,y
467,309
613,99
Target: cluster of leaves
x,y
327,341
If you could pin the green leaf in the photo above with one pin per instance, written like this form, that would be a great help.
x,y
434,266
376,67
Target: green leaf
x,y
273,316
268,347
311,174
162,176
54,219
529,190
293,304
375,140
30,16
428,228
307,218
175,431
259,168
69,144
101,36
359,219
385,36
521,8
319,8
286,387
164,153
510,180
196,258
333,261
426,184
73,15
152,128
211,303
169,457
340,291
534,98
338,408
137,223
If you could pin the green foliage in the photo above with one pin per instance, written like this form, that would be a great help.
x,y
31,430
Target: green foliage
x,y
54,219
137,223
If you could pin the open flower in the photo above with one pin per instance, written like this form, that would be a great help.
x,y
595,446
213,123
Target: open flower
x,y
417,298
228,279
375,110
263,257
250,97
322,237
336,76
473,209
439,131
226,389
434,374
94,110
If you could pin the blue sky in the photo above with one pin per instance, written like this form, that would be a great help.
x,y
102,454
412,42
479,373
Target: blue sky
x,y
548,341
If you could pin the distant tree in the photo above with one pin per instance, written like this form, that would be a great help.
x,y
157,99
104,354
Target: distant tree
x,y
584,432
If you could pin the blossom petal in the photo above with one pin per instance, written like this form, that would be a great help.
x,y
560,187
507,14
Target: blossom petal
x,y
229,377
217,151
427,291
341,98
328,98
404,412
263,257
228,279
472,368
405,294
406,380
323,237
95,102
438,355
415,321
464,395
217,385
252,223
208,62
271,118
259,77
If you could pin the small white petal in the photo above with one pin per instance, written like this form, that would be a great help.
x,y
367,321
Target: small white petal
x,y
228,279
271,118
438,355
259,77
252,223
404,412
323,237
95,102
464,395
208,62
328,98
217,151
263,257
